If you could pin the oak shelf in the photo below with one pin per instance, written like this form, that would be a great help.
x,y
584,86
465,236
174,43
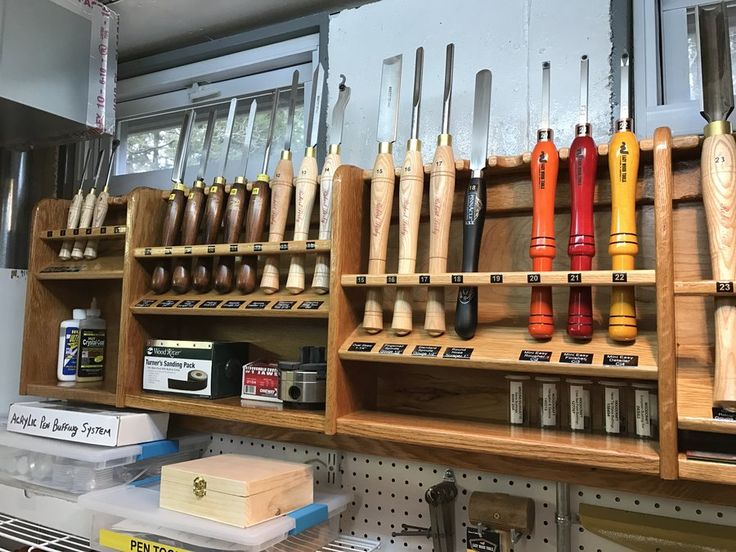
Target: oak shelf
x,y
231,409
700,470
492,279
101,268
115,232
84,392
257,304
500,348
233,249
623,454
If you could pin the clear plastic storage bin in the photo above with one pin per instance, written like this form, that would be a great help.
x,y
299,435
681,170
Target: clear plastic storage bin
x,y
128,517
67,469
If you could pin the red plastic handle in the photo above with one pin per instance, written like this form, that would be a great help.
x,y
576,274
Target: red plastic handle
x,y
581,247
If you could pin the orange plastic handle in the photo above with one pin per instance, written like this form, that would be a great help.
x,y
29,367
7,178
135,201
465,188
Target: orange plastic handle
x,y
545,164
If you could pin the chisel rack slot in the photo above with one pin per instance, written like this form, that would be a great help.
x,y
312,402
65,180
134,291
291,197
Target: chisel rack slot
x,y
234,249
116,232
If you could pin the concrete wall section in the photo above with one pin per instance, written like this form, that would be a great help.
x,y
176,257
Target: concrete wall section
x,y
511,38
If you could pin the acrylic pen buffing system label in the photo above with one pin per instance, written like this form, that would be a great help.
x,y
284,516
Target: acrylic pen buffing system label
x,y
209,369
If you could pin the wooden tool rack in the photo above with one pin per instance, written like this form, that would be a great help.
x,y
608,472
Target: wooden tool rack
x,y
417,396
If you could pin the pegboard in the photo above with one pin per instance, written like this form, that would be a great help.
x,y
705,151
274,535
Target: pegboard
x,y
389,492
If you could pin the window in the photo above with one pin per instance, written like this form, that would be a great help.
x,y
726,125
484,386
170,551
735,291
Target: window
x,y
667,65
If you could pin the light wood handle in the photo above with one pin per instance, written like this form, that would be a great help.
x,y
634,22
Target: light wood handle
x,y
382,195
305,190
181,277
281,186
213,211
255,220
72,222
718,166
321,280
98,219
623,245
85,220
411,186
441,192
234,214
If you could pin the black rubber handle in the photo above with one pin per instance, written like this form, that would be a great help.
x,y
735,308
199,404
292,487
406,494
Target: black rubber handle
x,y
474,216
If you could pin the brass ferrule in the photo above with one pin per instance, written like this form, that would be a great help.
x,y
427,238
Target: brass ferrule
x,y
219,180
334,148
385,147
545,135
624,125
178,186
444,140
717,127
199,183
310,151
240,180
263,178
286,155
583,130
414,144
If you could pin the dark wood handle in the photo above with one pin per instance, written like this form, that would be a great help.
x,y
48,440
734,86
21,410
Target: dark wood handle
x,y
181,279
213,212
255,221
161,278
233,223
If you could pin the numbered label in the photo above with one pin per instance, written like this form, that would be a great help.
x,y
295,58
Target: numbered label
x,y
533,278
311,246
187,249
497,278
724,287
167,251
284,246
257,247
574,277
619,277
147,251
391,279
424,279
457,278
360,280
210,249
233,248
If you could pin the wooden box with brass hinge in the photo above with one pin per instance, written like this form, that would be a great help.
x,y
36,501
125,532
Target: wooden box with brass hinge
x,y
236,489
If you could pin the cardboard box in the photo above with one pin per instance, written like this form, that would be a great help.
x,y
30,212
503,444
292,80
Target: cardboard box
x,y
261,381
236,489
209,369
94,426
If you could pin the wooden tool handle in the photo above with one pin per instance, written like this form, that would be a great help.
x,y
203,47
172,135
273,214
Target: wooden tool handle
x,y
304,192
98,219
161,278
411,187
254,223
581,247
441,192
72,222
382,195
321,280
181,279
545,164
213,211
474,215
281,185
718,166
623,245
234,214
85,220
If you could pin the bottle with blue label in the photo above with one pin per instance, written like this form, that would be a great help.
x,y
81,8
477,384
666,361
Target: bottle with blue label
x,y
66,369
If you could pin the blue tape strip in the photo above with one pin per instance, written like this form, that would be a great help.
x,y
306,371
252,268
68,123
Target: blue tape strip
x,y
157,448
308,517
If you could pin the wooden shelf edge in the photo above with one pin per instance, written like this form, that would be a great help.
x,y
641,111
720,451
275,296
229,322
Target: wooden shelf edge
x,y
229,409
585,450
82,275
705,287
708,425
114,232
708,472
233,249
493,279
101,268
92,392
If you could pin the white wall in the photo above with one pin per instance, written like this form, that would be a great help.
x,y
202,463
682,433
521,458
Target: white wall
x,y
511,38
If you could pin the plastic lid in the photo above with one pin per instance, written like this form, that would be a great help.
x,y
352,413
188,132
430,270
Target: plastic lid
x,y
79,314
93,311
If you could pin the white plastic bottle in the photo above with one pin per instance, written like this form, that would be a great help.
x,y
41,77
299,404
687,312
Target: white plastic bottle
x,y
92,337
66,366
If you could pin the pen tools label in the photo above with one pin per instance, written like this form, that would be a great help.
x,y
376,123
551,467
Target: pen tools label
x,y
187,304
167,303
361,347
392,349
460,353
283,305
257,305
576,358
211,304
310,305
535,356
620,360
232,304
426,351
145,303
